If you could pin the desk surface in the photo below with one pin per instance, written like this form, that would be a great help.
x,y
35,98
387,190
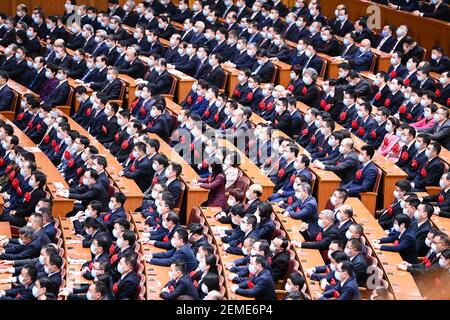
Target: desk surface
x,y
208,213
402,283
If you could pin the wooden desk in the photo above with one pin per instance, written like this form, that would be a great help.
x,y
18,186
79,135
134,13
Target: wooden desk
x,y
20,89
224,257
401,282
73,249
156,276
232,81
127,186
251,170
130,91
283,73
441,223
195,195
5,229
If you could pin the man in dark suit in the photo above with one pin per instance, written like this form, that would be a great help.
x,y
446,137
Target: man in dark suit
x,y
347,164
388,40
110,87
215,75
95,191
439,62
61,93
432,172
409,149
342,25
111,127
136,67
329,44
319,238
361,59
131,17
181,251
264,68
354,251
127,288
8,60
404,240
279,50
24,289
88,35
6,94
347,286
30,247
365,176
437,9
38,81
260,285
180,283
139,168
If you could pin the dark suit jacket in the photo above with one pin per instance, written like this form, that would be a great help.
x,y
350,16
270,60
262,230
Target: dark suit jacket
x,y
6,98
183,286
263,287
346,168
127,287
110,89
320,240
406,245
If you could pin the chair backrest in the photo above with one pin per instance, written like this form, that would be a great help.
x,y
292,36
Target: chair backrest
x,y
313,179
194,216
173,85
243,182
180,198
70,97
372,64
293,266
174,121
275,72
123,87
225,79
377,181
278,233
323,69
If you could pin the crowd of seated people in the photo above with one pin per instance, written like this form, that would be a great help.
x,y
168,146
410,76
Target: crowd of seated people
x,y
314,122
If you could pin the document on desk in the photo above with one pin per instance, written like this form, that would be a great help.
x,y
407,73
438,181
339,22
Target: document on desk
x,y
33,149
58,185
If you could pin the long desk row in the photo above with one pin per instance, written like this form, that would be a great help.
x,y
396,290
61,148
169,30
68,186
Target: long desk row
x,y
402,282
208,214
127,186
54,178
5,230
74,253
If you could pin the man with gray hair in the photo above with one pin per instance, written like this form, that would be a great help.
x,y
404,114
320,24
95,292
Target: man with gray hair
x,y
28,246
346,165
304,207
131,17
322,238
